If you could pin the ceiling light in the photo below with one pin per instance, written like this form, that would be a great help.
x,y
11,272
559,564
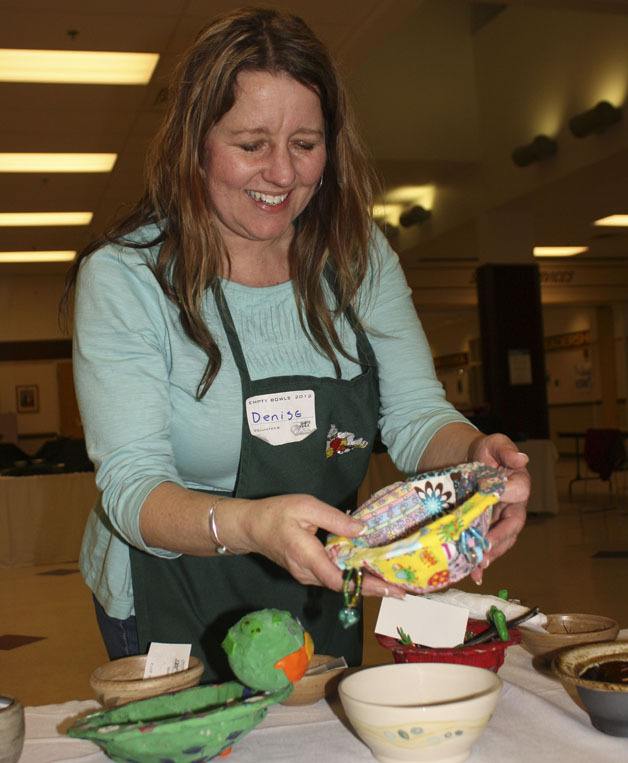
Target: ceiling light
x,y
60,256
414,216
57,162
76,66
28,219
618,221
540,149
595,120
389,213
558,251
412,194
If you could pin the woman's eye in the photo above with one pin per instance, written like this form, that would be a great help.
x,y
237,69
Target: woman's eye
x,y
304,145
250,146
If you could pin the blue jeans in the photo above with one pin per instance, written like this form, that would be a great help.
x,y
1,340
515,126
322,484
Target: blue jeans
x,y
120,636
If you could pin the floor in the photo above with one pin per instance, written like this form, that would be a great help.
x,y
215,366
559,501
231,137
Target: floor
x,y
572,562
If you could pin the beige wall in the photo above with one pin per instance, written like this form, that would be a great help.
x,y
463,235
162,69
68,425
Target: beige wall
x,y
28,311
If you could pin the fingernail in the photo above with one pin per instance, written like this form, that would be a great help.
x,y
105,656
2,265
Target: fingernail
x,y
386,592
401,595
478,582
364,530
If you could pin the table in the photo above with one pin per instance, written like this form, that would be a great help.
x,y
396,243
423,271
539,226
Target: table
x,y
42,517
535,720
543,490
577,436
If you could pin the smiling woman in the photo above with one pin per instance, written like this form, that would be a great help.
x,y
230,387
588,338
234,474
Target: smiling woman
x,y
264,160
240,339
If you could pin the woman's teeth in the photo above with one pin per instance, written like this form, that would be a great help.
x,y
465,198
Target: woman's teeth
x,y
266,198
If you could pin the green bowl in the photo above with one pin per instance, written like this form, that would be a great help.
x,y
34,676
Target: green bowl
x,y
188,726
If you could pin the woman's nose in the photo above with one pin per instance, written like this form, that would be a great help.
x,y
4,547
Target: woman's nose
x,y
279,169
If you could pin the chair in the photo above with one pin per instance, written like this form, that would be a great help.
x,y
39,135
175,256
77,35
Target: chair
x,y
604,454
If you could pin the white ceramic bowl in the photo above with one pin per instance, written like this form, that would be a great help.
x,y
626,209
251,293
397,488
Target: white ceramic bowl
x,y
420,711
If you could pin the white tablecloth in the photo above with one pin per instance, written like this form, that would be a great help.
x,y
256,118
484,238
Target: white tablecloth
x,y
535,720
542,467
42,517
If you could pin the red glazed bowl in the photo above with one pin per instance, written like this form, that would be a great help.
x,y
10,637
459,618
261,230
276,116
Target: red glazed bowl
x,y
489,655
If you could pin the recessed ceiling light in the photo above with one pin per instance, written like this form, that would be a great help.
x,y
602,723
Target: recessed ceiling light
x,y
412,194
29,219
60,256
57,162
76,66
618,221
559,251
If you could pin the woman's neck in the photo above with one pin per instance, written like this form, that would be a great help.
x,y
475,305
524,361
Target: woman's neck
x,y
258,263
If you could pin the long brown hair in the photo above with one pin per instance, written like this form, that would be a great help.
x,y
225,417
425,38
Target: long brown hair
x,y
334,228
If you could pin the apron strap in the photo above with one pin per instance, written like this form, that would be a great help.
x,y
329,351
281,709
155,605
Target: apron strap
x,y
366,356
230,331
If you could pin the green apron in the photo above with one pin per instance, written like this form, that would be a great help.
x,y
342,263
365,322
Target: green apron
x,y
196,599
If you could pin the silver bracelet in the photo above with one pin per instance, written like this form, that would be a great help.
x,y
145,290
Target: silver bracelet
x,y
220,547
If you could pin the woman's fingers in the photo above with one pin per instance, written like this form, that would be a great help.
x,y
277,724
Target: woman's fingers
x,y
372,586
517,488
502,535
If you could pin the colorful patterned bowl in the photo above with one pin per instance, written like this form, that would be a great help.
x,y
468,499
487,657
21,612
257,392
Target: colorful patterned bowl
x,y
193,724
489,655
426,712
427,532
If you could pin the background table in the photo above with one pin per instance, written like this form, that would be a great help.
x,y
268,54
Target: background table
x,y
42,517
535,720
542,467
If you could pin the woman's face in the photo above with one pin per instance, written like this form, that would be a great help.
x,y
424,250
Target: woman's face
x,y
264,158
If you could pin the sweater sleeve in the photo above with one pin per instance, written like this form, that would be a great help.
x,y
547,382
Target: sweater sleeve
x,y
413,405
121,364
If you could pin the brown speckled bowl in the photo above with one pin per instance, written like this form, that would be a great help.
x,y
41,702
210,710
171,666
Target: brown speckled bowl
x,y
563,630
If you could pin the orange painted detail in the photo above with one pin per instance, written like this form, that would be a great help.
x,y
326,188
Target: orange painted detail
x,y
295,664
308,644
225,752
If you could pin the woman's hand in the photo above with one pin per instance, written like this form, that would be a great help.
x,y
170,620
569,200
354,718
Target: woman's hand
x,y
509,515
283,528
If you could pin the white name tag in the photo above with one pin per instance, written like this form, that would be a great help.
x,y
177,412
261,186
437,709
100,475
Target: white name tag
x,y
427,622
282,417
163,659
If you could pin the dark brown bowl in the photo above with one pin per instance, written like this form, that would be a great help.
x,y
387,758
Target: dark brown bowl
x,y
606,702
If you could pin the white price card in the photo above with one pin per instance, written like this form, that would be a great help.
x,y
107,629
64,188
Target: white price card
x,y
163,659
282,417
429,623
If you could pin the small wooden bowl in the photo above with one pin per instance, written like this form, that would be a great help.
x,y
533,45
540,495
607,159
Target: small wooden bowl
x,y
310,689
121,681
563,630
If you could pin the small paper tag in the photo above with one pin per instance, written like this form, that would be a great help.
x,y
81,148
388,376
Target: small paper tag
x,y
282,417
163,659
427,622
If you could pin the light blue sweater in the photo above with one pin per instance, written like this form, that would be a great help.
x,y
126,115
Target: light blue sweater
x,y
136,374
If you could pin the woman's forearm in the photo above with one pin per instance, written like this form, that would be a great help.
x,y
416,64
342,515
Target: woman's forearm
x,y
177,519
451,445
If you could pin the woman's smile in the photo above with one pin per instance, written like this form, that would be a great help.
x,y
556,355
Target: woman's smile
x,y
264,159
